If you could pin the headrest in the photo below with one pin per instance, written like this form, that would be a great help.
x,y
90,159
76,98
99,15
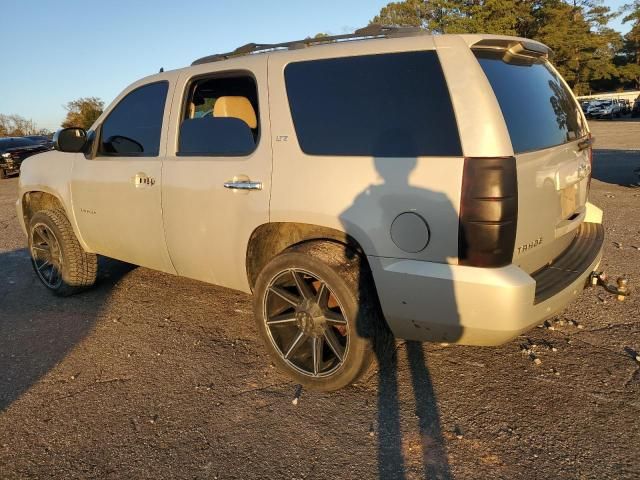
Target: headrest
x,y
236,107
215,136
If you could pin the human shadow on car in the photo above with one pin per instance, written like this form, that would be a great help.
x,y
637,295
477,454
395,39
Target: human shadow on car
x,y
37,329
377,204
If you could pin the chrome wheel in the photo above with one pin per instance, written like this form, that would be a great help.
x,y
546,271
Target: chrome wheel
x,y
306,323
46,255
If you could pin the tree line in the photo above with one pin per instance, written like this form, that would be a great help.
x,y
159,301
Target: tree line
x,y
80,113
590,55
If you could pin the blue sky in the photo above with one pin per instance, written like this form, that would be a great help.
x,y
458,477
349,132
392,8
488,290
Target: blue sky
x,y
54,52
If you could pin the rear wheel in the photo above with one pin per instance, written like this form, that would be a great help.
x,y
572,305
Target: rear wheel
x,y
57,257
317,312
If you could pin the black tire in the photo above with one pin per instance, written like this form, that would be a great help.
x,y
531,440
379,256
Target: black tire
x,y
75,269
346,276
3,174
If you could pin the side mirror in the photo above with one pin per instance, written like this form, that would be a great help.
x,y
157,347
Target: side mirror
x,y
72,140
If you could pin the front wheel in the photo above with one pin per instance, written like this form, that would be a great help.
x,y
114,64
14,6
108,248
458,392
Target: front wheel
x,y
317,311
56,255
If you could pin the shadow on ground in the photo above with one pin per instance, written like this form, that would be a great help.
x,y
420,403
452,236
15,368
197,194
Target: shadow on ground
x,y
381,203
621,167
37,329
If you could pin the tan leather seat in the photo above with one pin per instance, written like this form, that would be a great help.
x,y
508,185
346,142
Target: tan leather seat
x,y
236,107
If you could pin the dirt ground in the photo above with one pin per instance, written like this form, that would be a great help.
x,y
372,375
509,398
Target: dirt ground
x,y
154,376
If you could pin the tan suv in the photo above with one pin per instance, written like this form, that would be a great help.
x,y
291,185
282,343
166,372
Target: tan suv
x,y
434,184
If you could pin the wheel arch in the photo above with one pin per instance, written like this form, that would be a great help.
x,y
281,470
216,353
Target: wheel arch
x,y
36,199
33,201
270,239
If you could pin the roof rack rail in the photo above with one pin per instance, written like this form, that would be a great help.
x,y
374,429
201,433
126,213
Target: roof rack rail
x,y
370,31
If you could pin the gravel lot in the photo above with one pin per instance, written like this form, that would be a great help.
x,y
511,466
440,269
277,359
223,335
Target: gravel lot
x,y
154,376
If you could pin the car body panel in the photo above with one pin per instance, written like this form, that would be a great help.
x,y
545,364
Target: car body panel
x,y
361,196
219,220
118,218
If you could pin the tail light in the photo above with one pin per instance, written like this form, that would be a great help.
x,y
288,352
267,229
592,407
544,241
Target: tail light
x,y
488,212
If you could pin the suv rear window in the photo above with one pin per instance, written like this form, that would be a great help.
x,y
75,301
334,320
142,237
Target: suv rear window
x,y
387,105
539,110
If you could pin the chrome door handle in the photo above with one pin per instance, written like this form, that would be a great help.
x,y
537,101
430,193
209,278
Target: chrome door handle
x,y
243,185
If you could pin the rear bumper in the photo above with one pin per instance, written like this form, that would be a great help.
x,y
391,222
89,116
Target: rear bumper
x,y
480,306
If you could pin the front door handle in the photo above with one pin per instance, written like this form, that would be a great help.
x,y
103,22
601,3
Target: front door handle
x,y
243,185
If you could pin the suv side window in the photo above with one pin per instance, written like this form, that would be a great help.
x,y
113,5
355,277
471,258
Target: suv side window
x,y
386,105
220,117
133,127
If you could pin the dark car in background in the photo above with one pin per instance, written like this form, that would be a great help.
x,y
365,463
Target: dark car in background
x,y
635,111
13,150
41,139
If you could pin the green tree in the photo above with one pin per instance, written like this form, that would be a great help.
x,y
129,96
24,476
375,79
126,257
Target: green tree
x,y
632,38
577,31
630,73
83,112
457,16
582,43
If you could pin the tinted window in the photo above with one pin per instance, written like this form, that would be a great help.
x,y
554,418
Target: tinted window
x,y
539,110
389,105
220,117
133,127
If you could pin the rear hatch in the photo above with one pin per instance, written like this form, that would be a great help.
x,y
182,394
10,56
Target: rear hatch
x,y
552,148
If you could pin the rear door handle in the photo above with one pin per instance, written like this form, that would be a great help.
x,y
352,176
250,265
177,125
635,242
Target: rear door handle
x,y
243,185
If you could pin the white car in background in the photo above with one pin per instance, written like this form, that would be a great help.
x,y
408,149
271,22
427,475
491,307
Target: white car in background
x,y
606,109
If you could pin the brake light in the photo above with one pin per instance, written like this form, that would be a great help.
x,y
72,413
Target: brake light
x,y
488,212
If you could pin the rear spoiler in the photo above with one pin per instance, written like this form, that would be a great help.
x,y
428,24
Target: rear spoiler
x,y
514,46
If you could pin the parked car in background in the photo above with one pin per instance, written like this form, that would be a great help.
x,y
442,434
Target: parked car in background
x,y
626,105
13,150
590,107
41,139
606,109
584,105
635,110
